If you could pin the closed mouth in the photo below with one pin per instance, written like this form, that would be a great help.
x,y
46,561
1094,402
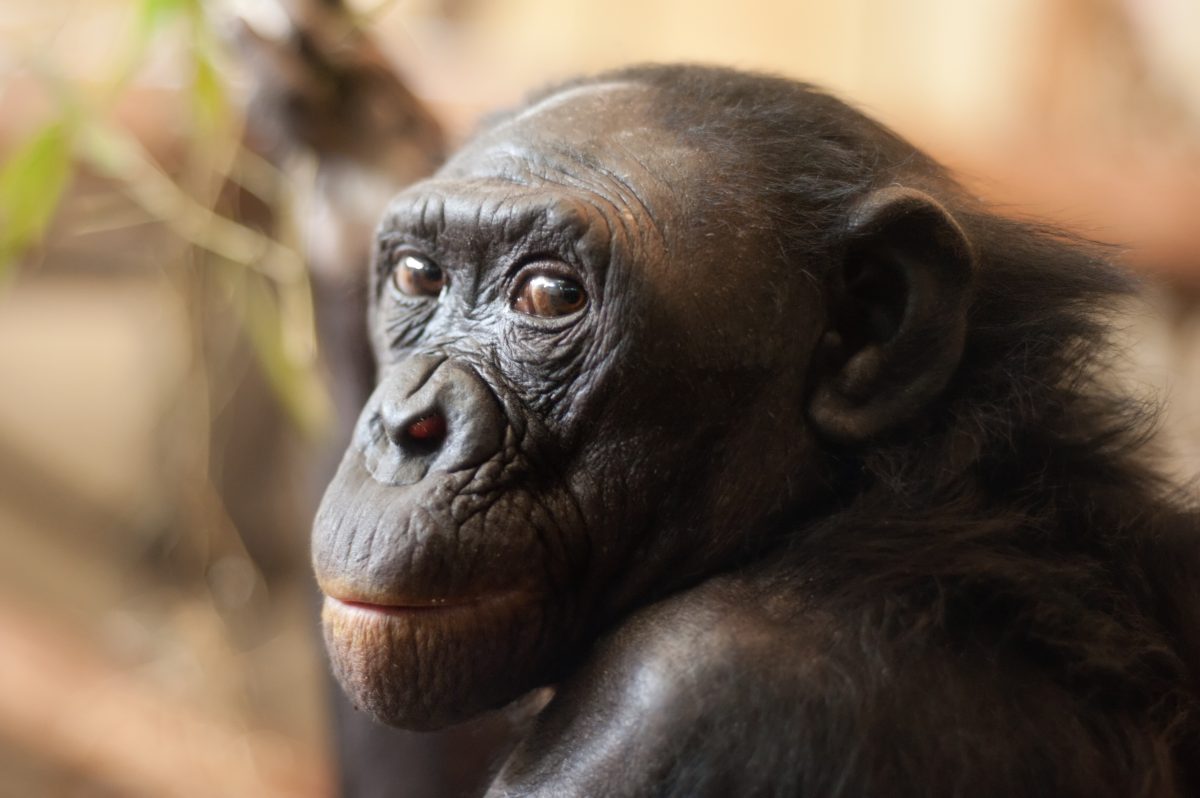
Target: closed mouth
x,y
408,606
429,605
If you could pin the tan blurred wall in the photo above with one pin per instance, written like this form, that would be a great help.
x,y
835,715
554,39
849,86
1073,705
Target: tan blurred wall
x,y
937,69
1084,110
961,65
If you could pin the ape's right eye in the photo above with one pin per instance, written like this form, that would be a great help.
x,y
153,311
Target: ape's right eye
x,y
418,276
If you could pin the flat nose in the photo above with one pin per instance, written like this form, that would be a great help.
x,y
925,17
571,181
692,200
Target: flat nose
x,y
428,414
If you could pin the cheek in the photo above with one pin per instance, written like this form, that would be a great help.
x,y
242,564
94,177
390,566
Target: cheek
x,y
740,311
694,468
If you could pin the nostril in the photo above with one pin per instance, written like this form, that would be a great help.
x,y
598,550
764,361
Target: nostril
x,y
426,434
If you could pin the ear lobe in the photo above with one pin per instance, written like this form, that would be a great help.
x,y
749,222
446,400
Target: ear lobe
x,y
897,318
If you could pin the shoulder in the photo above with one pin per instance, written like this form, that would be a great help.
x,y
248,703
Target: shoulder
x,y
695,692
731,689
710,635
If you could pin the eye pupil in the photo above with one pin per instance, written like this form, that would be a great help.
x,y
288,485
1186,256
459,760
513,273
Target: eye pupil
x,y
549,296
568,294
417,276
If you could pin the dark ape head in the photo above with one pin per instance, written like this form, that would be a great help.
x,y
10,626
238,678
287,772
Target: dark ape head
x,y
618,336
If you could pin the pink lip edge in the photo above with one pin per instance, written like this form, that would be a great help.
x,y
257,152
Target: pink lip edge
x,y
393,609
426,606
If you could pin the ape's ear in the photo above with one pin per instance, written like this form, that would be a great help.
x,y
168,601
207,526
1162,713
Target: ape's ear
x,y
897,320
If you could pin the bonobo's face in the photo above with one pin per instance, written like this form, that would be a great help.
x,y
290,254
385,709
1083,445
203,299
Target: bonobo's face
x,y
590,392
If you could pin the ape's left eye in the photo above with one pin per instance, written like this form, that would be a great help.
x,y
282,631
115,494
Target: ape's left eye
x,y
417,276
549,295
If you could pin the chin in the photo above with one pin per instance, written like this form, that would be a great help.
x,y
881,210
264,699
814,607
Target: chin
x,y
431,666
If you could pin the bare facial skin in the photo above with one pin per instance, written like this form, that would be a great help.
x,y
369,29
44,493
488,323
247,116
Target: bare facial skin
x,y
721,408
508,527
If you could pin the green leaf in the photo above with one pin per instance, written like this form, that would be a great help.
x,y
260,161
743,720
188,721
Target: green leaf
x,y
31,185
208,94
153,14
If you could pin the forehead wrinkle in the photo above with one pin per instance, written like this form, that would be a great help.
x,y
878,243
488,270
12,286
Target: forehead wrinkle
x,y
630,196
589,192
566,164
430,202
668,188
596,180
591,185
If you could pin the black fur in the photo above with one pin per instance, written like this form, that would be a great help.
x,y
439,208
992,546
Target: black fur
x,y
1023,512
995,595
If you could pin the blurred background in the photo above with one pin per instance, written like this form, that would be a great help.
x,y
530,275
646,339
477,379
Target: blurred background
x,y
186,191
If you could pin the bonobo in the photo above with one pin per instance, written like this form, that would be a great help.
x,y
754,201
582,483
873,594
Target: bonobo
x,y
722,409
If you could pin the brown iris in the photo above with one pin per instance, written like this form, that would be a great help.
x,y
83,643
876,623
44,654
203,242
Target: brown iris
x,y
417,276
549,295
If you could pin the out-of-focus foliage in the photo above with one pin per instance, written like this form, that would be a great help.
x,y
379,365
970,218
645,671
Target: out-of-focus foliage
x,y
31,183
262,271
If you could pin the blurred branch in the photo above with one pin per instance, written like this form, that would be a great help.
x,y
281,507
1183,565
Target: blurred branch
x,y
122,157
277,308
